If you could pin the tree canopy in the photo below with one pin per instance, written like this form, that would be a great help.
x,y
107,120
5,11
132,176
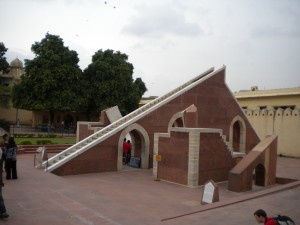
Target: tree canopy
x,y
4,67
51,80
110,83
3,63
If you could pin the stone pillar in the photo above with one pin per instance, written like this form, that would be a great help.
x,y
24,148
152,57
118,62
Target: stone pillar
x,y
155,152
193,166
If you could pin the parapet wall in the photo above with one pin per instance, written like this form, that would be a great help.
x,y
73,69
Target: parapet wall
x,y
282,122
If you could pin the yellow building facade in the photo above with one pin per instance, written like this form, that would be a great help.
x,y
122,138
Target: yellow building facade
x,y
274,112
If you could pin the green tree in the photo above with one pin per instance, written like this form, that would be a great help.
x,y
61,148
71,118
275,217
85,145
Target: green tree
x,y
109,82
3,63
51,80
5,91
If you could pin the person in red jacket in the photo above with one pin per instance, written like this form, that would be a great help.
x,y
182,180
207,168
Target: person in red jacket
x,y
261,217
128,154
125,150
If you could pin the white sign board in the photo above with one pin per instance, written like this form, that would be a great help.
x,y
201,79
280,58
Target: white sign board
x,y
210,193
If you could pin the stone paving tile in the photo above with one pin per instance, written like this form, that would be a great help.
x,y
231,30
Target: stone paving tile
x,y
134,198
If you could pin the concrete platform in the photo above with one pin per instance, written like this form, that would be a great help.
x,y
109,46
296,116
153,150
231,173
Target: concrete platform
x,y
132,197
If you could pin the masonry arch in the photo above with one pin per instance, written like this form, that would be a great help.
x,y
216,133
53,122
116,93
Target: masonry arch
x,y
237,134
140,144
177,120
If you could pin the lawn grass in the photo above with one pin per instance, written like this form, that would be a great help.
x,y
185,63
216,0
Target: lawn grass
x,y
63,140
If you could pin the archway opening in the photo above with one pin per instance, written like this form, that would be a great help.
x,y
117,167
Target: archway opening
x,y
127,149
139,152
259,175
178,122
236,136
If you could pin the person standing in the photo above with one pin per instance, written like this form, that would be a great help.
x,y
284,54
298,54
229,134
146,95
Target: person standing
x,y
125,149
4,141
49,128
261,217
128,155
3,144
10,153
3,213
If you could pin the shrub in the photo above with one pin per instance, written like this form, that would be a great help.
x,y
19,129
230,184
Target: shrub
x,y
52,135
25,143
43,142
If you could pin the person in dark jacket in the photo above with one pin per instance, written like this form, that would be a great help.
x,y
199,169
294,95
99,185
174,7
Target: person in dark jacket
x,y
10,153
3,213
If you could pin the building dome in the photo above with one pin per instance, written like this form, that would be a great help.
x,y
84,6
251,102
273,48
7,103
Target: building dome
x,y
16,63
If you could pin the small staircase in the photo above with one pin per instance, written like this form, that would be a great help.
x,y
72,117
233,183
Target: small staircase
x,y
230,148
94,139
227,143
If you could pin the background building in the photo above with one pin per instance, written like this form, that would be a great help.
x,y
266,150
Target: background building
x,y
19,118
10,114
274,112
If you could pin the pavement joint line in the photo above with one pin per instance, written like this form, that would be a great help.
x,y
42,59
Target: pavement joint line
x,y
239,199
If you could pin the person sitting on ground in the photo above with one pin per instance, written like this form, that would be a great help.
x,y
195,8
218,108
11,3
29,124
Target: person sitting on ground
x,y
261,217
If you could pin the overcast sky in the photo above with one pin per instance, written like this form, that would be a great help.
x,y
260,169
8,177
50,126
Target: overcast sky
x,y
168,41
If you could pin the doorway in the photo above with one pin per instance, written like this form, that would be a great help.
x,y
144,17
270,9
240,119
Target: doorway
x,y
139,145
237,134
259,175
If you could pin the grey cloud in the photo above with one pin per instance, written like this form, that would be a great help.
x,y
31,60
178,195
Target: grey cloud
x,y
282,20
266,32
161,20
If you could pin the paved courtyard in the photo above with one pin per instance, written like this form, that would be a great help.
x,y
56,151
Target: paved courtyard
x,y
132,197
